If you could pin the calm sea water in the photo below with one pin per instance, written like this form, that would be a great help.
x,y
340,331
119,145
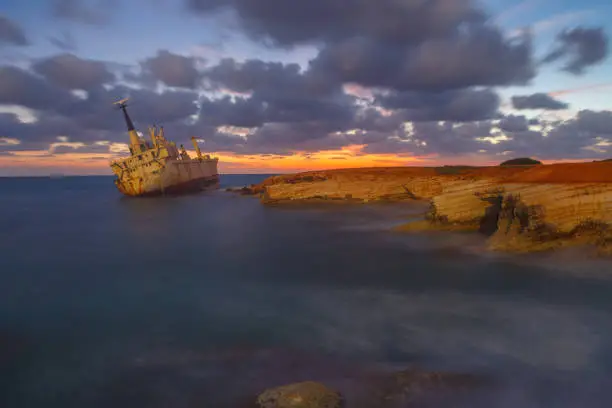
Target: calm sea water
x,y
202,300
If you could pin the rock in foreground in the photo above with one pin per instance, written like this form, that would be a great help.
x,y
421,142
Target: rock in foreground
x,y
307,394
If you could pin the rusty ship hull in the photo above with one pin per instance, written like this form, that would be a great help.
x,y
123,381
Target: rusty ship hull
x,y
158,167
177,177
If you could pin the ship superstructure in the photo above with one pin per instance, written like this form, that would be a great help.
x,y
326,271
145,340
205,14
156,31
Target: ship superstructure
x,y
158,167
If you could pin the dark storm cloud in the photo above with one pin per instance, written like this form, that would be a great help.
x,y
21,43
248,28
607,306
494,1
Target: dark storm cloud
x,y
11,33
93,12
581,47
19,87
172,69
456,105
72,72
538,101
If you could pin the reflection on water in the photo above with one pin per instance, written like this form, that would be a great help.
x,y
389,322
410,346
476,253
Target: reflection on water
x,y
205,300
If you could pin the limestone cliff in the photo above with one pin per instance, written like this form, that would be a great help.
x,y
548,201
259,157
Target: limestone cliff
x,y
530,216
522,208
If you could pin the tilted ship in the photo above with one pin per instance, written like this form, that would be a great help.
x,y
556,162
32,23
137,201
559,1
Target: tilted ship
x,y
158,167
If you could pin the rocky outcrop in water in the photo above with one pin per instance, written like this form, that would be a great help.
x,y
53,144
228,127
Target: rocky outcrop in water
x,y
307,394
521,208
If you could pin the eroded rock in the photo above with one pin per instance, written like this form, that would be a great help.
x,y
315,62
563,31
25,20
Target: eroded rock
x,y
308,394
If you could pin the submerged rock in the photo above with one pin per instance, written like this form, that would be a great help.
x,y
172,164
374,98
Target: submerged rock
x,y
308,394
234,378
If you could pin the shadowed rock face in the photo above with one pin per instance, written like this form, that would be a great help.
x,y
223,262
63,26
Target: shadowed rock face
x,y
235,379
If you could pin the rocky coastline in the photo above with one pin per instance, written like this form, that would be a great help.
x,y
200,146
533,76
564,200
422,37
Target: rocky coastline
x,y
520,208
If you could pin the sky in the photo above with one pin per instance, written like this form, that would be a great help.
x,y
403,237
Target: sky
x,y
275,86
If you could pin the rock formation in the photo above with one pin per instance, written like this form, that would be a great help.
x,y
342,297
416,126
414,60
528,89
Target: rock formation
x,y
525,208
307,394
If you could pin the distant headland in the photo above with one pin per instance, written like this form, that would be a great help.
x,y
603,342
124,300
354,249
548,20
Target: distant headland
x,y
522,205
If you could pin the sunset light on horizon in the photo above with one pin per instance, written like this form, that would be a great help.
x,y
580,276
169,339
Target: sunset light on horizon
x,y
269,89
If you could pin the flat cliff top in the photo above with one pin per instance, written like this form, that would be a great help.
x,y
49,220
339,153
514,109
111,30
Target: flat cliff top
x,y
594,172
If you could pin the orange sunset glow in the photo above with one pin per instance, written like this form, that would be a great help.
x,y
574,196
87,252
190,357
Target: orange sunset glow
x,y
42,162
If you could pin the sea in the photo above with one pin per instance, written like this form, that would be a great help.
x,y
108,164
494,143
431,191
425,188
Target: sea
x,y
205,300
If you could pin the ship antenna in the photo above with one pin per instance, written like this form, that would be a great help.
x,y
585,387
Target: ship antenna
x,y
122,104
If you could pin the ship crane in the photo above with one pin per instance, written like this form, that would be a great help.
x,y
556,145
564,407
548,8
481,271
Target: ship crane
x,y
137,145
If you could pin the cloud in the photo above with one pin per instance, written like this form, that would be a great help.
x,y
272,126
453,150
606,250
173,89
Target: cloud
x,y
443,138
90,120
479,57
429,72
11,33
570,139
83,11
240,112
512,123
65,41
582,47
147,107
19,87
273,92
100,147
559,20
32,136
72,72
538,101
581,89
172,69
320,20
266,79
456,105
409,45
516,10
597,123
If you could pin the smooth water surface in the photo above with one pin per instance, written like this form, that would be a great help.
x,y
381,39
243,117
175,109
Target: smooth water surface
x,y
108,301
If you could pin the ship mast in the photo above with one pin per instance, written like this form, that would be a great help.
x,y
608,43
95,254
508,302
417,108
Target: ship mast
x,y
136,145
